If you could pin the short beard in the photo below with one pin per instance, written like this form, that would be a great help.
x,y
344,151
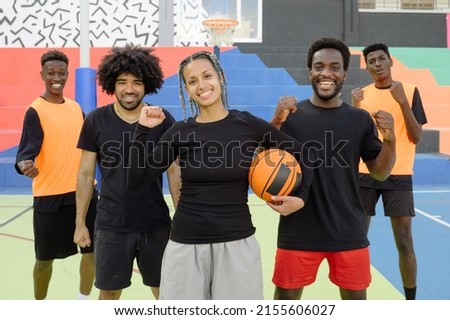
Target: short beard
x,y
130,108
328,97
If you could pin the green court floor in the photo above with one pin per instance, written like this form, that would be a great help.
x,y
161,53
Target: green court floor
x,y
17,256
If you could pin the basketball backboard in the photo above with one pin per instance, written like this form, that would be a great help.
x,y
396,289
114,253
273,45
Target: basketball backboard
x,y
190,14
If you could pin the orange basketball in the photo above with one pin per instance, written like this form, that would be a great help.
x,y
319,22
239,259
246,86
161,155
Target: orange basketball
x,y
274,172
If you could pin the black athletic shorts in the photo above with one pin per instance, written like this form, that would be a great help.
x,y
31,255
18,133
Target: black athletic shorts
x,y
116,253
53,232
395,202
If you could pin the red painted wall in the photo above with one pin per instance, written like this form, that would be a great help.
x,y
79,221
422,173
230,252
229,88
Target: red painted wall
x,y
20,81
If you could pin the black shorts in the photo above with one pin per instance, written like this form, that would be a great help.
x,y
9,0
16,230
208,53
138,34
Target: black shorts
x,y
53,232
115,253
396,203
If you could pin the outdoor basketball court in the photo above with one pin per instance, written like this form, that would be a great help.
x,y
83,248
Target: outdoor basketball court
x,y
431,227
431,231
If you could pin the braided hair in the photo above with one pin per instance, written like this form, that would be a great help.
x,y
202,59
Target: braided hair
x,y
181,81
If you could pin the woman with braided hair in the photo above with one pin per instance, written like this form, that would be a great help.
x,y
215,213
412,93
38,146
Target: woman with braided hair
x,y
212,252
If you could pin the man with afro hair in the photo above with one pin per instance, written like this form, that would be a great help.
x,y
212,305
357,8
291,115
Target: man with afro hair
x,y
131,225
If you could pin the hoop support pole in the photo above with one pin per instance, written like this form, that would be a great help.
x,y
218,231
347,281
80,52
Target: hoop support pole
x,y
217,51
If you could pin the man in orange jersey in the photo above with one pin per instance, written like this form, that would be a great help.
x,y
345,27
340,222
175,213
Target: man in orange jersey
x,y
47,154
403,101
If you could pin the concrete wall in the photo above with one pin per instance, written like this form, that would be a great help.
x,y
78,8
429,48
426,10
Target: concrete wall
x,y
299,22
404,29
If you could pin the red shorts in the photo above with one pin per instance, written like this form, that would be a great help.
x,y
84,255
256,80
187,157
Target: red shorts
x,y
348,269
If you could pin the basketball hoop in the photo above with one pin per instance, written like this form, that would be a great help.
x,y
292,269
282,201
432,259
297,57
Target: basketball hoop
x,y
220,31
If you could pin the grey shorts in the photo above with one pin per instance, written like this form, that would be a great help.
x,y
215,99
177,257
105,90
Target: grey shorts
x,y
115,253
396,203
219,271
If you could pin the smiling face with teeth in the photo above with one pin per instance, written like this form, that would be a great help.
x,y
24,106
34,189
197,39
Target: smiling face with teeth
x,y
327,76
202,84
129,91
54,73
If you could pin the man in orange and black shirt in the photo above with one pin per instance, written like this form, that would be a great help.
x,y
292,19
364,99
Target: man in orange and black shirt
x,y
403,101
47,154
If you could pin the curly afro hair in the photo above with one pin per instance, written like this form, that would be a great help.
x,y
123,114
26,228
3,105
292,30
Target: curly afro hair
x,y
132,59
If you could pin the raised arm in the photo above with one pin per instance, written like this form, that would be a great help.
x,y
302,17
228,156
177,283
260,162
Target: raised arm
x,y
413,128
147,162
285,105
380,167
357,96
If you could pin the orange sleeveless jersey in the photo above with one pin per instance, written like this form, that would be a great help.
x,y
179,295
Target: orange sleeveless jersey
x,y
59,159
381,99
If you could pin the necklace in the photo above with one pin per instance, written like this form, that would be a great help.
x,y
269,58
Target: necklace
x,y
125,118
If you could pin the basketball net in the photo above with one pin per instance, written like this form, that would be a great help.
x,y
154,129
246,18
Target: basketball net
x,y
220,31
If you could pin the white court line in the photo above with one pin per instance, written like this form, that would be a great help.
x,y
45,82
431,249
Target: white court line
x,y
434,218
429,216
431,191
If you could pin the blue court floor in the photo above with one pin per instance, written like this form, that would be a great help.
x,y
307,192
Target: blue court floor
x,y
431,233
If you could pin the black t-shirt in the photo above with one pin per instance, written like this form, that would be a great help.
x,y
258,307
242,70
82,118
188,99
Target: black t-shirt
x,y
214,159
120,209
333,219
